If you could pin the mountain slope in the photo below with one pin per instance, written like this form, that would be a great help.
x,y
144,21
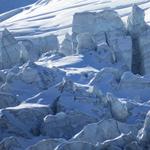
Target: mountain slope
x,y
55,16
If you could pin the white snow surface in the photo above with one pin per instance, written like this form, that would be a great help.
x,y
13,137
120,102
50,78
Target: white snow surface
x,y
55,16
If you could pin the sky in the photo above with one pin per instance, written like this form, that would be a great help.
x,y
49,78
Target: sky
x,y
6,5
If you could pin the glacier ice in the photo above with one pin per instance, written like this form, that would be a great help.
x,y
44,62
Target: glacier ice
x,y
107,30
76,145
85,42
64,125
118,142
10,143
12,52
8,100
144,132
44,44
144,44
67,45
118,108
23,120
136,23
102,131
32,77
105,21
106,54
89,92
46,144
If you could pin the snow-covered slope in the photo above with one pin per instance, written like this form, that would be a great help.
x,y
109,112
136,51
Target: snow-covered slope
x,y
55,16
88,89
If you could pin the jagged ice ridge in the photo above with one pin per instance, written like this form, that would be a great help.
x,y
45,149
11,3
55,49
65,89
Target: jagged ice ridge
x,y
89,91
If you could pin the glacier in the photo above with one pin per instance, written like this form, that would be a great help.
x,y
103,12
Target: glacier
x,y
74,75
